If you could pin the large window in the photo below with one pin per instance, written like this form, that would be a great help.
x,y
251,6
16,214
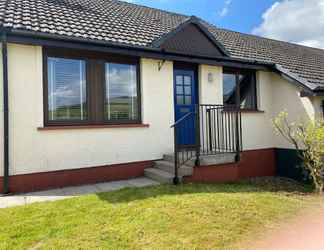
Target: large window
x,y
239,88
121,102
67,96
89,88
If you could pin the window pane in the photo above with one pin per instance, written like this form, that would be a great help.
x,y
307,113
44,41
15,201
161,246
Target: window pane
x,y
179,80
248,92
188,100
188,90
187,80
247,89
179,90
229,88
121,98
180,99
66,89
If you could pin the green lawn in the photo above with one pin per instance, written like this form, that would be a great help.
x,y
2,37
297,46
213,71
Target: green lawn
x,y
160,217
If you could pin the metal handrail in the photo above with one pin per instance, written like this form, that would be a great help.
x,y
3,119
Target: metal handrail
x,y
181,119
218,129
178,148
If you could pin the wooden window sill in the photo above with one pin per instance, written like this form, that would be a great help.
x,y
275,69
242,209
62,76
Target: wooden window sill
x,y
93,126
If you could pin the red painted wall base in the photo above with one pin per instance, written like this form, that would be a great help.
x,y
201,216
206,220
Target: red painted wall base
x,y
74,177
253,163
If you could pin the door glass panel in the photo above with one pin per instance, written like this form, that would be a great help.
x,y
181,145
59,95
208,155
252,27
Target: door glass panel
x,y
187,80
187,100
188,90
179,90
180,99
179,80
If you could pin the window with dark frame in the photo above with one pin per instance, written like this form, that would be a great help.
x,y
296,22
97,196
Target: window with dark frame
x,y
67,95
121,99
239,88
84,88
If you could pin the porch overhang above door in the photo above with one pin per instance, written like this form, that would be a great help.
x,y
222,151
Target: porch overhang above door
x,y
191,38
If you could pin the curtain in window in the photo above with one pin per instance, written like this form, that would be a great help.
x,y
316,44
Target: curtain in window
x,y
66,89
245,85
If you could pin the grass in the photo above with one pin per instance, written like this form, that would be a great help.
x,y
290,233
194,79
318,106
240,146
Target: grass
x,y
189,216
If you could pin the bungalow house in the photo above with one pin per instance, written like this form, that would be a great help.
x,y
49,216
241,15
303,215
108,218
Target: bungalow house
x,y
103,90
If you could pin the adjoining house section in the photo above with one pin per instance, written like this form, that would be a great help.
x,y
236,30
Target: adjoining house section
x,y
109,90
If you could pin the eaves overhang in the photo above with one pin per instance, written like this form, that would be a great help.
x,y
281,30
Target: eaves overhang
x,y
54,40
308,88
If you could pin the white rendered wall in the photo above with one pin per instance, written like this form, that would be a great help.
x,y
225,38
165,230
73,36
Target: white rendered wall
x,y
318,102
210,92
38,151
257,132
34,151
275,94
286,97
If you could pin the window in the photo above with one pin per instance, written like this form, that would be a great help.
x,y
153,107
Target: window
x,y
90,88
183,90
121,99
239,88
66,89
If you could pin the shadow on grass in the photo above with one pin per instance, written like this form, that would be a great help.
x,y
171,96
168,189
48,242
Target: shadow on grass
x,y
258,185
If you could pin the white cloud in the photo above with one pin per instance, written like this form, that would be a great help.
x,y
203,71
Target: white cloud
x,y
223,12
225,9
298,21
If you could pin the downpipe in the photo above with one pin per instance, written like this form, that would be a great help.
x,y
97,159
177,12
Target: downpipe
x,y
5,114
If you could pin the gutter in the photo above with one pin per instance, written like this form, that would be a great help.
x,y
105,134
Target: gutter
x,y
307,86
126,47
5,114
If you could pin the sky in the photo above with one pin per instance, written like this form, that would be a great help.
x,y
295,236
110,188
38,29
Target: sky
x,y
297,21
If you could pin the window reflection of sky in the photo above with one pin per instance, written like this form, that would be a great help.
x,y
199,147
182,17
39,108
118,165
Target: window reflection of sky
x,y
66,84
121,92
121,80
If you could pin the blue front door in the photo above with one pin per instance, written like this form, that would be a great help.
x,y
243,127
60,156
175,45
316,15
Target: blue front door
x,y
185,99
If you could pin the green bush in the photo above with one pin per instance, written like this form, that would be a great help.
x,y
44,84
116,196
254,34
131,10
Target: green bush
x,y
308,139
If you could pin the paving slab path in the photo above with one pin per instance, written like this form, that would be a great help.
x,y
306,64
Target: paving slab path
x,y
305,232
69,192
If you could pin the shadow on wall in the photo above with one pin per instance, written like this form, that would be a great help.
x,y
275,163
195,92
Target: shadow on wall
x,y
289,165
286,97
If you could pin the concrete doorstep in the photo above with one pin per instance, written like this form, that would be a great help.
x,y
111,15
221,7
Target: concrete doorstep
x,y
69,192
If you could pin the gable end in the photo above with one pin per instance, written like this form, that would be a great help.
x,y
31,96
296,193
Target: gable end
x,y
191,38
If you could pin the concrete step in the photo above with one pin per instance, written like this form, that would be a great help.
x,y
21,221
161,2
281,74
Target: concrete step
x,y
159,175
170,158
168,166
218,159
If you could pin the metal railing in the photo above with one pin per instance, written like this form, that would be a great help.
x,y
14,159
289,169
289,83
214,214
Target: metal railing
x,y
183,152
220,129
217,129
